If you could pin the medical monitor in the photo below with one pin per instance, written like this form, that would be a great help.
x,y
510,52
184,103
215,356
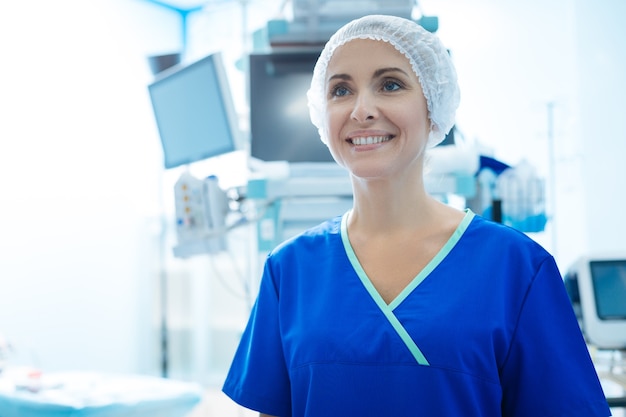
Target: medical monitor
x,y
597,289
280,126
194,111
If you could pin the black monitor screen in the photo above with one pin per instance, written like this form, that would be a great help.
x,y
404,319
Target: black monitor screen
x,y
194,112
609,286
280,127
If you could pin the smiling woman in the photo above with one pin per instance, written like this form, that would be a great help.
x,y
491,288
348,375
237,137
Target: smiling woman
x,y
375,312
438,82
375,115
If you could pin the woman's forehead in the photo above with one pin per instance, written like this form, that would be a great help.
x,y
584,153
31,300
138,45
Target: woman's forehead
x,y
357,53
358,47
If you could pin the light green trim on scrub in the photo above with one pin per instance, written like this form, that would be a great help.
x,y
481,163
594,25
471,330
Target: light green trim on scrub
x,y
387,309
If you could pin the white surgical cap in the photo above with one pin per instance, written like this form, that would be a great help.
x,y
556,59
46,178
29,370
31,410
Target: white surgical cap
x,y
428,57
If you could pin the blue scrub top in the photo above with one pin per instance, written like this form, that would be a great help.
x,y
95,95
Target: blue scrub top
x,y
486,329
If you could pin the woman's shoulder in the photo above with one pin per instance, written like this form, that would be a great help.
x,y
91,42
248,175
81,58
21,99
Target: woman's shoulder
x,y
489,227
504,252
500,238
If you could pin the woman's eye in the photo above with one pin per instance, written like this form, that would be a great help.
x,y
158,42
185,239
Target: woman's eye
x,y
339,91
391,85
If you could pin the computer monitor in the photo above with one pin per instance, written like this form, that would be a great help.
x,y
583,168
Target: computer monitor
x,y
194,111
597,288
280,126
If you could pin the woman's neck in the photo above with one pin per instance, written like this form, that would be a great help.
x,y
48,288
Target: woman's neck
x,y
382,206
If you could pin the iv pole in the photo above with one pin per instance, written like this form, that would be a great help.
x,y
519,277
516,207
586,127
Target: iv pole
x,y
164,342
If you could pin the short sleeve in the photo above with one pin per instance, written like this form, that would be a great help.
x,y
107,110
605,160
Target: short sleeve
x,y
548,371
258,377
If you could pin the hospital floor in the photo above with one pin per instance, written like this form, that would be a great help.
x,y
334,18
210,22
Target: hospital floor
x,y
216,404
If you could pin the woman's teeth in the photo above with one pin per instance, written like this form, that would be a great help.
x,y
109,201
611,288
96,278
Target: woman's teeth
x,y
370,140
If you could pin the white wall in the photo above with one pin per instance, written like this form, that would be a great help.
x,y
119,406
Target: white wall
x,y
601,37
79,169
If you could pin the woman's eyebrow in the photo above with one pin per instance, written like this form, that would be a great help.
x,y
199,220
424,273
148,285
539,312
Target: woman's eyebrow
x,y
378,73
382,71
344,77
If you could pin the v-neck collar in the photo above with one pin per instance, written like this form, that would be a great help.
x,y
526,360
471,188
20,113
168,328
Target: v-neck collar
x,y
421,276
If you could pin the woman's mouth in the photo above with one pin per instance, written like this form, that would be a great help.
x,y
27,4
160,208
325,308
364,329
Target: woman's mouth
x,y
369,140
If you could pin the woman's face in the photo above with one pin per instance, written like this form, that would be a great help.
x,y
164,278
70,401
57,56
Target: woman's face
x,y
377,117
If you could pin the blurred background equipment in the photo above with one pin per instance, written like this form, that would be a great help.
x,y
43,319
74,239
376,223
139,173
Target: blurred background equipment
x,y
194,112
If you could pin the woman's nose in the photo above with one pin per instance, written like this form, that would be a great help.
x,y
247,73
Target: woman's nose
x,y
364,108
